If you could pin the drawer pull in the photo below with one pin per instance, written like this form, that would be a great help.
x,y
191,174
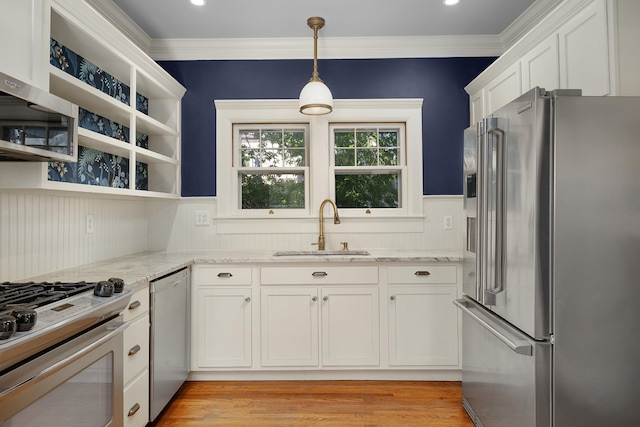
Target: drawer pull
x,y
319,274
134,305
325,298
422,273
314,298
247,299
225,275
392,297
134,350
135,408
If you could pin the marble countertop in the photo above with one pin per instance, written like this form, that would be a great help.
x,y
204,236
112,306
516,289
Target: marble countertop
x,y
138,269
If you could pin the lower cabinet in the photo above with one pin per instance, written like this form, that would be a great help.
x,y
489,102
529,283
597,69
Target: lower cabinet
x,y
347,332
223,328
136,361
423,326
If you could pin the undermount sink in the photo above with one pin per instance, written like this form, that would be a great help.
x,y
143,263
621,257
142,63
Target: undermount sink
x,y
320,253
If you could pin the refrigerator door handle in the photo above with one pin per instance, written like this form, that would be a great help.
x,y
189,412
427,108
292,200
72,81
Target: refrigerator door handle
x,y
500,147
515,343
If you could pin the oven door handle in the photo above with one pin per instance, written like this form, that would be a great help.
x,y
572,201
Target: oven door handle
x,y
110,331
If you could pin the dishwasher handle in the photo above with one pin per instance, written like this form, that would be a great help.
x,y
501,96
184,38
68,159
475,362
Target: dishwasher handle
x,y
511,340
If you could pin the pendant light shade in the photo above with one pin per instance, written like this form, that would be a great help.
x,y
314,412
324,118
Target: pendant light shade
x,y
315,97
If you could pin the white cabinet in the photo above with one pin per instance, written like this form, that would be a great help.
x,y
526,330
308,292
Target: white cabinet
x,y
350,326
586,45
289,326
24,30
223,328
540,67
136,360
504,88
584,51
221,318
423,322
348,330
118,163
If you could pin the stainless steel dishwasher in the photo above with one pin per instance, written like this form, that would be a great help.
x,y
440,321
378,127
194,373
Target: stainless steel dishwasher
x,y
169,338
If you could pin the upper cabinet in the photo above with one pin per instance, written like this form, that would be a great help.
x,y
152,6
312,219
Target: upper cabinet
x,y
129,121
583,44
24,29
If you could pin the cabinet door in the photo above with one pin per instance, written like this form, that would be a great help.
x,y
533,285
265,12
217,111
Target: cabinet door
x,y
477,107
223,325
24,40
423,325
540,66
503,89
584,51
350,327
289,326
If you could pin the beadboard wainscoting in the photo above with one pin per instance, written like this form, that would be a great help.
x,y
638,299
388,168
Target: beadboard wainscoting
x,y
175,229
41,232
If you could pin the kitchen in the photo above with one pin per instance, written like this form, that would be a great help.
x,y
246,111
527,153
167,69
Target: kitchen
x,y
45,230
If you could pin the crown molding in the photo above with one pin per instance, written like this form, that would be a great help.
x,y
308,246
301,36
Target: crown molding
x,y
122,22
527,21
328,48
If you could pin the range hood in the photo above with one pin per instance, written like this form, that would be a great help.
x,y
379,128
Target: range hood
x,y
36,125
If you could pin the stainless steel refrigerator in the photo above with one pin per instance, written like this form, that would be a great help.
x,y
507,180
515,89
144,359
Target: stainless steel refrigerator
x,y
551,305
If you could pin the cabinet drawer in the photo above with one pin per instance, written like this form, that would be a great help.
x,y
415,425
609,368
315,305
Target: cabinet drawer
x,y
138,305
319,275
136,348
136,402
422,274
221,275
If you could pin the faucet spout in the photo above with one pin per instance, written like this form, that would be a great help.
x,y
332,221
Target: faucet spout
x,y
336,220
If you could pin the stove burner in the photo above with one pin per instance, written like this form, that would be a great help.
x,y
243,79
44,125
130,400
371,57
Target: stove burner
x,y
27,296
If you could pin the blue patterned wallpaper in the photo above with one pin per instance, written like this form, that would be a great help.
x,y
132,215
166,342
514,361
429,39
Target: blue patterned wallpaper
x,y
93,168
70,62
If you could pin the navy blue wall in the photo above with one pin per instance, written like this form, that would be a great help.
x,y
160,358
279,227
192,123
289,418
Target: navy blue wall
x,y
440,81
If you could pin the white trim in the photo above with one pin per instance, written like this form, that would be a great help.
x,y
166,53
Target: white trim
x,y
328,48
230,112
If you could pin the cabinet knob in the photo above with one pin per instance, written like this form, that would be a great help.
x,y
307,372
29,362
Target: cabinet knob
x,y
319,274
134,350
392,297
314,298
422,273
135,408
225,275
134,305
247,299
325,298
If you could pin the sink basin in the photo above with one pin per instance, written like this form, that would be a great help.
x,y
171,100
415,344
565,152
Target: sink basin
x,y
319,253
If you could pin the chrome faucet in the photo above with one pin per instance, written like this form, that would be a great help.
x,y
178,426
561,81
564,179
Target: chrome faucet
x,y
336,220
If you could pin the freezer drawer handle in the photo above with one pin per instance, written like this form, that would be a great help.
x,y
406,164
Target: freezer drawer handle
x,y
225,275
422,273
517,345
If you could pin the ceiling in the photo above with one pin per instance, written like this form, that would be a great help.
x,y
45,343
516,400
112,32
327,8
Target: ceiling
x,y
221,19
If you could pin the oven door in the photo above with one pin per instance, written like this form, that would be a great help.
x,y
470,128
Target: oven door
x,y
78,383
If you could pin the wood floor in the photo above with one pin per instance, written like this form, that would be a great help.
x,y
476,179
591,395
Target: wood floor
x,y
316,403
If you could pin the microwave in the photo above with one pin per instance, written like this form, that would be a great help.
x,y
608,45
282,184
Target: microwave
x,y
36,125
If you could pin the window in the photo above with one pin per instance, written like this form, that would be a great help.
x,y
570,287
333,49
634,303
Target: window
x,y
271,166
368,165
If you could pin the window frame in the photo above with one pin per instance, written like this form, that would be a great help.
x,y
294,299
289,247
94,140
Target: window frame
x,y
238,169
230,112
401,167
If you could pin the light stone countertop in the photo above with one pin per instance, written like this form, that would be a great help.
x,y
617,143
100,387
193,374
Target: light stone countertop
x,y
138,269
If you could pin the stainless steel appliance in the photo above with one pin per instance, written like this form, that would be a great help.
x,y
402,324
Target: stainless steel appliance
x,y
169,339
61,353
552,205
36,125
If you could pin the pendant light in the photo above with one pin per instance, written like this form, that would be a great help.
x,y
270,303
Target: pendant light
x,y
315,97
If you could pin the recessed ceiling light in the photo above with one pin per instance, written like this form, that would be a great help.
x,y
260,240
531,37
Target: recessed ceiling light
x,y
199,2
450,2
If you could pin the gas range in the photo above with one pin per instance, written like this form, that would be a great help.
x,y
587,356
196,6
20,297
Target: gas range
x,y
35,316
